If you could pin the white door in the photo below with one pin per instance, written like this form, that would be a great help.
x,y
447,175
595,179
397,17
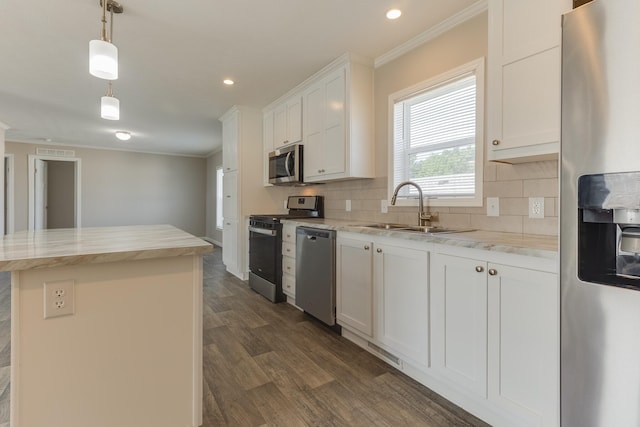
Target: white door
x,y
40,194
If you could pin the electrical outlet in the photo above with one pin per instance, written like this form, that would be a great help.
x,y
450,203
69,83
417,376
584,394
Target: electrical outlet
x,y
59,298
493,206
384,206
536,207
347,205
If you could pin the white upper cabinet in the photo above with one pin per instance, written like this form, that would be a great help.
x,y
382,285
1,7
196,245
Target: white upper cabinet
x,y
338,122
287,122
524,79
230,144
331,114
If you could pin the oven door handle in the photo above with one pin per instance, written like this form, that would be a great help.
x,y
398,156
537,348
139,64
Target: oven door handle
x,y
263,231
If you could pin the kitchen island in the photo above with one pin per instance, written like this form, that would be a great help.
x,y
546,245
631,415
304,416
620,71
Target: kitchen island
x,y
106,326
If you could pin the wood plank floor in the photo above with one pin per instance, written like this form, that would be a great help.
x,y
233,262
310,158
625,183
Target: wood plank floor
x,y
271,365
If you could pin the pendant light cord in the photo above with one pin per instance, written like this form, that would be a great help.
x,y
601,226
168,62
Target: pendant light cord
x,y
104,20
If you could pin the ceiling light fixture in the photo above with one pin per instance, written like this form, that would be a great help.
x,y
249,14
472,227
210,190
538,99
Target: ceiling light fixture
x,y
123,135
103,54
228,82
110,105
394,14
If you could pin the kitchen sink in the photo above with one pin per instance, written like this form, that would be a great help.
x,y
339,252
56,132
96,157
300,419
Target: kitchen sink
x,y
427,229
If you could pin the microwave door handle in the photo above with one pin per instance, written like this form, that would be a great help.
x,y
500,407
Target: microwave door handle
x,y
286,163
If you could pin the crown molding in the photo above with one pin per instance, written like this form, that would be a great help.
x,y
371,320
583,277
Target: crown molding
x,y
433,32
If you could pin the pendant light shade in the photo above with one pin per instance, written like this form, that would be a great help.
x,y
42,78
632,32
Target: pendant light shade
x,y
103,59
110,107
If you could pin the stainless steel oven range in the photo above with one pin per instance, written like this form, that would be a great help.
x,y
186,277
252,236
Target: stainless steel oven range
x,y
265,245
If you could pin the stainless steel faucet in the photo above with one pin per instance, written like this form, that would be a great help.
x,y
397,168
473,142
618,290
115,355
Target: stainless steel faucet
x,y
423,217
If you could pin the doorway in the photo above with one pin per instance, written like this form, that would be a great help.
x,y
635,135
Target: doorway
x,y
54,192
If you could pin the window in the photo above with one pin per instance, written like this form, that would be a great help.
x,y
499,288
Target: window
x,y
219,198
437,134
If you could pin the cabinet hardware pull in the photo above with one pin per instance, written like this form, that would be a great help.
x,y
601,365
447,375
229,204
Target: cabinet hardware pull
x,y
366,247
479,269
379,250
495,142
228,196
493,272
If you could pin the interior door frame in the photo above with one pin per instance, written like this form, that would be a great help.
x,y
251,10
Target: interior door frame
x,y
77,196
10,195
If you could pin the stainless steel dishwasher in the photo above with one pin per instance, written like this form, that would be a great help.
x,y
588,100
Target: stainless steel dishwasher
x,y
316,273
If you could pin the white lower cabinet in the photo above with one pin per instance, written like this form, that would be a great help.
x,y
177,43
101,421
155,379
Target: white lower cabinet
x,y
354,287
479,327
230,244
289,261
495,334
524,344
401,283
459,321
383,294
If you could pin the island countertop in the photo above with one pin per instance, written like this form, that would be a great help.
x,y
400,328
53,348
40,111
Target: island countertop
x,y
91,245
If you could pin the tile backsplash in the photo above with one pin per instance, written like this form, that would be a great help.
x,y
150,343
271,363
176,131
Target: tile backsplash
x,y
512,184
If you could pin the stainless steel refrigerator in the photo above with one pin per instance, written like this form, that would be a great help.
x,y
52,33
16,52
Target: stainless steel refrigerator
x,y
600,215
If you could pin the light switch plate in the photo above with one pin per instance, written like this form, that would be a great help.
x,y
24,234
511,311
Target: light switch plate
x,y
493,206
347,205
384,206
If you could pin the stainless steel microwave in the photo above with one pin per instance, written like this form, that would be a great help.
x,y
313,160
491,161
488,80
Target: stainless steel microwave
x,y
285,165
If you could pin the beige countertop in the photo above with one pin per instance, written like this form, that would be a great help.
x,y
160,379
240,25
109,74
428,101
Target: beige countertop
x,y
72,246
520,244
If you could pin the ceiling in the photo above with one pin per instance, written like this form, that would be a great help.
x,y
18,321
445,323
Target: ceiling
x,y
173,56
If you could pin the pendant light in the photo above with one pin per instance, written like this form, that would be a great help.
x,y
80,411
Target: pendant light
x,y
110,105
103,55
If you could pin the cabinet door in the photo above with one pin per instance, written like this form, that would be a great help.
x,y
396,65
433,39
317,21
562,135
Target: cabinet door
x,y
354,287
459,321
401,282
524,343
314,132
230,193
280,126
334,124
230,143
524,79
230,245
294,119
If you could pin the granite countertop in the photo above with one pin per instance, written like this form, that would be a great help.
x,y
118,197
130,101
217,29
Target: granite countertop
x,y
73,246
514,243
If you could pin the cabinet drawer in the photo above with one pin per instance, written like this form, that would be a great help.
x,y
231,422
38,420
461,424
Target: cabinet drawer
x,y
288,249
289,233
289,284
289,266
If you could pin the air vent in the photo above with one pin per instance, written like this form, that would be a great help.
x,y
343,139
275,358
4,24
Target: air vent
x,y
384,353
55,153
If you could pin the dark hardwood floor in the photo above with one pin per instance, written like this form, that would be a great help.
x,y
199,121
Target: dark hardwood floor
x,y
271,365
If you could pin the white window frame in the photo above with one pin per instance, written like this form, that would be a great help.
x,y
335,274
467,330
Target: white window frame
x,y
219,198
477,67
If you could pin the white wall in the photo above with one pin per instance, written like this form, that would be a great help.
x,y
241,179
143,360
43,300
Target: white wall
x,y
127,188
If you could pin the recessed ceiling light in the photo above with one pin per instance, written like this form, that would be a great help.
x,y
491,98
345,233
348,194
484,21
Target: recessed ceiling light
x,y
123,135
228,82
394,14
